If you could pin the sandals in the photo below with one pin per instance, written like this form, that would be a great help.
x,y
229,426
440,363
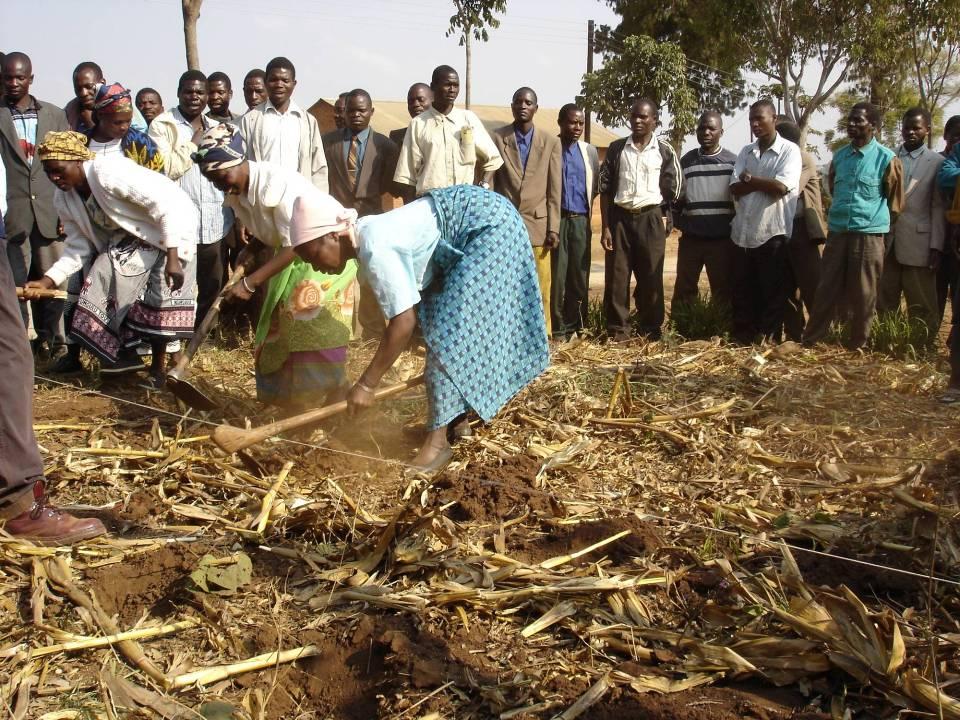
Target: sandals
x,y
434,467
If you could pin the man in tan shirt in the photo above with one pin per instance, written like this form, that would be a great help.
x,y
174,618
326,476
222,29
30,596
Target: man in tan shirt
x,y
445,145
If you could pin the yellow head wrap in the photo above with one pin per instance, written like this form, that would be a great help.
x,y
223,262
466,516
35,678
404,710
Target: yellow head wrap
x,y
64,145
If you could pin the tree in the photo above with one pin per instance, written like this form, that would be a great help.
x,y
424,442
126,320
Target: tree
x,y
935,51
792,41
471,20
898,101
708,34
191,13
643,67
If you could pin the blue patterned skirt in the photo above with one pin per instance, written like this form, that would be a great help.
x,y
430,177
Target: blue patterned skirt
x,y
482,317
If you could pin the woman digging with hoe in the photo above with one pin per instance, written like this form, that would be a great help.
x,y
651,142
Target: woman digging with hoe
x,y
458,259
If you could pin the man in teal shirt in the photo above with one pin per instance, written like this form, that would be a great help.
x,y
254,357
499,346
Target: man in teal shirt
x,y
866,181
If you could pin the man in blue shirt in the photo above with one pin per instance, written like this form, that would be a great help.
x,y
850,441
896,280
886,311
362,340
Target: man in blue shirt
x,y
570,268
866,182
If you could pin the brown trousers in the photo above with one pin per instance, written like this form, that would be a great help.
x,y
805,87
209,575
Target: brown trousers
x,y
20,462
849,275
918,284
693,254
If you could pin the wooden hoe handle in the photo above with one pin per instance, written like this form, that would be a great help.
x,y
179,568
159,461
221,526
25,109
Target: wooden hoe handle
x,y
230,439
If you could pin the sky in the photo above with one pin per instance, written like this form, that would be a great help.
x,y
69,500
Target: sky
x,y
382,46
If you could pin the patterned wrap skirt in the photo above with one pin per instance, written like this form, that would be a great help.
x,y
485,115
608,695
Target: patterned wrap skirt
x,y
125,300
302,335
482,316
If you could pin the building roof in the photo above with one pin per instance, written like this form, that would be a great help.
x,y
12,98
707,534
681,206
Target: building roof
x,y
392,114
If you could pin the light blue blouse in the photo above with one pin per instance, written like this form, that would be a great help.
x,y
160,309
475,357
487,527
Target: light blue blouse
x,y
394,251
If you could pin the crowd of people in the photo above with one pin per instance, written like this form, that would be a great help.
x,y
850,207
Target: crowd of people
x,y
145,215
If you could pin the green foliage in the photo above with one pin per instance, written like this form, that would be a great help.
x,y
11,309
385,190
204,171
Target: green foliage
x,y
899,336
701,318
898,101
705,31
473,17
644,67
892,333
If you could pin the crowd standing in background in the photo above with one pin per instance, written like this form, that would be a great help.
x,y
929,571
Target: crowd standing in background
x,y
143,213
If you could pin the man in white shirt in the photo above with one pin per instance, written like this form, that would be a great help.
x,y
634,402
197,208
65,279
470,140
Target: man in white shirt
x,y
445,145
765,183
177,133
281,132
640,181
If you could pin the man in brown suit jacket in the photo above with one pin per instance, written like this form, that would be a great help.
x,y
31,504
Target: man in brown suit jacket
x,y
361,163
531,177
32,224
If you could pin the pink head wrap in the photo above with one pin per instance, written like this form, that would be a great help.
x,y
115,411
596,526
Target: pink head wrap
x,y
318,214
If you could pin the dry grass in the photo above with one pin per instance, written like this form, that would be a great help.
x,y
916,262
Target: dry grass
x,y
617,531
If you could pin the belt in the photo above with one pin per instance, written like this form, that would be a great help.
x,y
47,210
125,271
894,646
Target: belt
x,y
570,214
640,210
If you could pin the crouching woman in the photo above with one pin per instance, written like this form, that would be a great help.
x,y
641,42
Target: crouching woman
x,y
458,259
135,233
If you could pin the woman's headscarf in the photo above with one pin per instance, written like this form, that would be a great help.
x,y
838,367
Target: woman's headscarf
x,y
64,145
319,214
221,147
111,99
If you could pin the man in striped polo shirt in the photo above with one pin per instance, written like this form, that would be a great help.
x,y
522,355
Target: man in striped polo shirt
x,y
706,210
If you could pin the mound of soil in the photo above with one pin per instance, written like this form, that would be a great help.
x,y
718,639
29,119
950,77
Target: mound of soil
x,y
485,493
377,658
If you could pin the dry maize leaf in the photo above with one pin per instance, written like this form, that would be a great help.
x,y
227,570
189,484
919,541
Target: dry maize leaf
x,y
898,651
924,692
557,613
853,665
664,685
724,657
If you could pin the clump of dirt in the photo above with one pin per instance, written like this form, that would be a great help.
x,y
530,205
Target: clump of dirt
x,y
496,492
377,657
142,507
563,540
707,703
864,580
72,408
148,581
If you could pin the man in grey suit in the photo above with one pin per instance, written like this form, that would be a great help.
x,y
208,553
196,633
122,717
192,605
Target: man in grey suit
x,y
910,265
32,224
570,269
531,178
361,163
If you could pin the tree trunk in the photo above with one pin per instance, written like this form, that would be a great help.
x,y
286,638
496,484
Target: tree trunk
x,y
466,45
191,13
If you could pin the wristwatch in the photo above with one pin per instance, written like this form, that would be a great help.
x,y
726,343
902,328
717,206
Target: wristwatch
x,y
484,184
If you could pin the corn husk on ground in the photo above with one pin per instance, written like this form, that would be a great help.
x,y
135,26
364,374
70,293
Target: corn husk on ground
x,y
647,528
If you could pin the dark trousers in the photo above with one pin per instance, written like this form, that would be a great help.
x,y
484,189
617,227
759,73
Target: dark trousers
x,y
693,254
211,265
29,261
849,275
571,276
954,343
760,290
949,272
803,277
20,462
639,243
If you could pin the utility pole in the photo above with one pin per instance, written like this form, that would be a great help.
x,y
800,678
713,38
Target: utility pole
x,y
586,114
